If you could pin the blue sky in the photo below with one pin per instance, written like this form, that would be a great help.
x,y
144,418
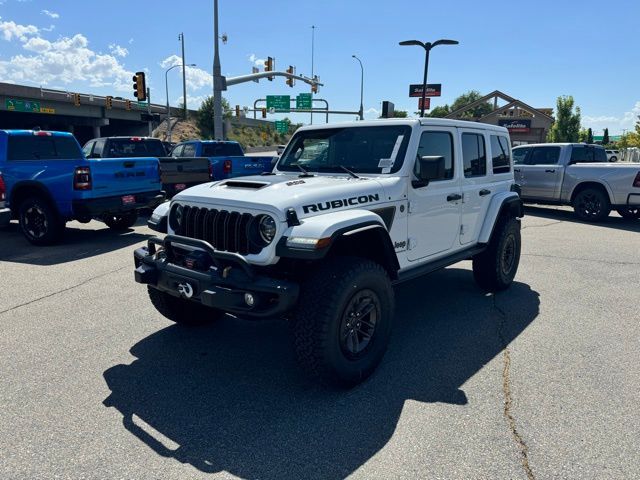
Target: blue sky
x,y
533,51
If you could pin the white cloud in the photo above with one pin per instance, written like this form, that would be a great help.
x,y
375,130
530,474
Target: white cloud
x,y
193,101
118,51
372,112
63,61
50,28
50,14
615,124
258,62
196,77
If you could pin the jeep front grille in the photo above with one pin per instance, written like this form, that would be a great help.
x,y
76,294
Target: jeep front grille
x,y
227,231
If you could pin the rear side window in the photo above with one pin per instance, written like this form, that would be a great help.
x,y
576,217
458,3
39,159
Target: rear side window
x,y
437,144
474,155
600,155
544,156
500,154
587,154
43,148
221,150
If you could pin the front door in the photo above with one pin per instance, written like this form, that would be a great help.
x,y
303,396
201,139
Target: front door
x,y
434,210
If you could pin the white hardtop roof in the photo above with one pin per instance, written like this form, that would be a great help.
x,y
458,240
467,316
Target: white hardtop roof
x,y
559,144
412,122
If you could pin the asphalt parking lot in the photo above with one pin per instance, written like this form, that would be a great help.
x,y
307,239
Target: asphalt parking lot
x,y
540,381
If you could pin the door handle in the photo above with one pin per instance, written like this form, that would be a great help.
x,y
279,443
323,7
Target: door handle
x,y
516,170
454,197
484,192
550,170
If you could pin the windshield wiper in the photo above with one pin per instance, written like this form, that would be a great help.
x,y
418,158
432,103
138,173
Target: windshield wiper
x,y
348,171
305,172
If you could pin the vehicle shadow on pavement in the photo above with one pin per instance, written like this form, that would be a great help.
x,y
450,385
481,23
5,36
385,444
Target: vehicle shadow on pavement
x,y
230,397
77,244
612,221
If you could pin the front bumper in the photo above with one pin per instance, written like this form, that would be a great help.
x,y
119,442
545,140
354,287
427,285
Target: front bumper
x,y
96,207
222,285
5,217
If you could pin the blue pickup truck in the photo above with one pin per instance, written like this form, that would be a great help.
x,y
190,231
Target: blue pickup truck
x,y
47,181
226,158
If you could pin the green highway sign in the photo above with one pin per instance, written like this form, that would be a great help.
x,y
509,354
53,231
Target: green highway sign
x,y
304,101
143,105
14,105
282,126
280,103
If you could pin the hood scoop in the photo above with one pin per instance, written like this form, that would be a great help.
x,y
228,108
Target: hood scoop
x,y
244,184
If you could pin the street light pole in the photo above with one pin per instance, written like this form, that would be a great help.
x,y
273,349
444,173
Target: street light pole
x,y
313,33
184,78
217,80
427,47
361,87
166,86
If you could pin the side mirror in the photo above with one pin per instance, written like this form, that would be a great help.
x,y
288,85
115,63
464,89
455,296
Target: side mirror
x,y
429,168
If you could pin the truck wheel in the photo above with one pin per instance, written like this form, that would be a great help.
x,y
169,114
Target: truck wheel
x,y
39,222
182,311
495,268
342,324
591,205
630,213
121,221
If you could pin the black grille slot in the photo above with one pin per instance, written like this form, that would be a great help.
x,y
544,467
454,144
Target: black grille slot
x,y
226,231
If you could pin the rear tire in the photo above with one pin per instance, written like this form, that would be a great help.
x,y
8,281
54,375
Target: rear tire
x,y
122,221
630,213
342,324
591,205
183,312
39,222
495,268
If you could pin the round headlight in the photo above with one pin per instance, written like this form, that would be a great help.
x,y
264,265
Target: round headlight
x,y
176,216
267,228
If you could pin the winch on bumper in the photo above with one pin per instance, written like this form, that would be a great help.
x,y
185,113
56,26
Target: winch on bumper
x,y
192,269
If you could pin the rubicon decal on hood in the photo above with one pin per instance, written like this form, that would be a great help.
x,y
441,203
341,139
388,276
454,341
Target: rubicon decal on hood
x,y
344,202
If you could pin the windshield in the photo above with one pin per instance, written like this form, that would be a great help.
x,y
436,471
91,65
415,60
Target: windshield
x,y
360,149
125,147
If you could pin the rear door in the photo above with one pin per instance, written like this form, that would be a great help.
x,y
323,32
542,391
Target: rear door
x,y
476,193
542,173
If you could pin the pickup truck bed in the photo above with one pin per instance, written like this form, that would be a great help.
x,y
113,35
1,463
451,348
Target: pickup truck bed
x,y
178,174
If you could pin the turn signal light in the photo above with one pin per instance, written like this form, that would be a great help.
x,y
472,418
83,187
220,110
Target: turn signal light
x,y
82,178
3,189
636,182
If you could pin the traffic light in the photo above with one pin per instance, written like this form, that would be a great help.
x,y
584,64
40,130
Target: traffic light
x,y
264,112
127,104
314,88
238,111
76,99
290,81
140,86
108,102
269,66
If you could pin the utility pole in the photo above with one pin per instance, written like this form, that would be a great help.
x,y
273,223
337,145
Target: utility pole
x,y
184,78
218,81
361,113
149,111
313,31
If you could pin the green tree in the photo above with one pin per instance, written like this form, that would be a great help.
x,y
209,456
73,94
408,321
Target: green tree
x,y
605,137
589,136
566,128
204,117
469,97
400,114
440,111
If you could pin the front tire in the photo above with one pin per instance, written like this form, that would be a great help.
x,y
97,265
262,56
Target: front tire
x,y
495,268
183,312
39,222
342,324
630,213
122,221
591,205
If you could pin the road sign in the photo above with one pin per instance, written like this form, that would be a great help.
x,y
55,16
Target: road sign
x,y
427,103
47,110
14,105
433,90
304,101
282,126
280,103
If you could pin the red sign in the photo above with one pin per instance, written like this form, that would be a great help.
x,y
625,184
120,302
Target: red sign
x,y
427,103
433,90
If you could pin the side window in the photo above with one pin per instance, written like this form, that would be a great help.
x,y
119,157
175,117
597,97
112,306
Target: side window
x,y
474,155
581,154
99,148
500,154
519,155
177,151
544,156
189,150
87,149
599,155
437,144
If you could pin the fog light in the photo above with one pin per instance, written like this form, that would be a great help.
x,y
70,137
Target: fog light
x,y
249,300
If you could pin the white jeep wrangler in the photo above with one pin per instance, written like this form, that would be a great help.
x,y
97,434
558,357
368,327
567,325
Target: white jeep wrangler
x,y
349,210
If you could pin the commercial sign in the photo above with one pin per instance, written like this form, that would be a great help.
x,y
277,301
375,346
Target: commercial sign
x,y
279,103
433,90
427,103
516,125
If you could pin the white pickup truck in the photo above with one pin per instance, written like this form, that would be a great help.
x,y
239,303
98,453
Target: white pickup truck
x,y
579,175
349,210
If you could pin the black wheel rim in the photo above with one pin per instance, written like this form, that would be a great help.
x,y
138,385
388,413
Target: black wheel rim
x,y
359,322
589,204
508,257
35,222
